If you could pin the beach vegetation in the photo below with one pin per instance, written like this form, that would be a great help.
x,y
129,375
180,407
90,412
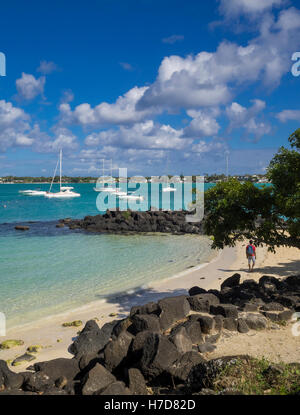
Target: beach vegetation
x,y
8,344
75,323
34,349
259,377
268,215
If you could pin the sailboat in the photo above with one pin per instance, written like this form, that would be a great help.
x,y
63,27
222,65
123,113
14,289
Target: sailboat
x,y
64,191
33,192
168,188
109,189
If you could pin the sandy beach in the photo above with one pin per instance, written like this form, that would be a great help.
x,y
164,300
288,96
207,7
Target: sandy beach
x,y
277,344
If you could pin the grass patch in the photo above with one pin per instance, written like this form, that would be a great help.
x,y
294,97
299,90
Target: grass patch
x,y
8,344
282,323
75,323
259,377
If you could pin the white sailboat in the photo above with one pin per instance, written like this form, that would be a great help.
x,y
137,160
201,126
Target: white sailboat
x,y
168,188
33,192
109,189
64,191
131,197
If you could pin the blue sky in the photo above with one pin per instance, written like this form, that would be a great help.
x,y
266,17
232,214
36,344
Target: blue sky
x,y
157,86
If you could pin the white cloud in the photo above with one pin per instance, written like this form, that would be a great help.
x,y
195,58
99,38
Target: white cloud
x,y
211,79
145,135
203,124
62,138
233,8
29,87
286,115
242,117
123,111
217,147
14,127
173,39
47,67
67,96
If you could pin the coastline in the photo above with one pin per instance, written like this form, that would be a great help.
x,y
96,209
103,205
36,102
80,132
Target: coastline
x,y
209,275
48,330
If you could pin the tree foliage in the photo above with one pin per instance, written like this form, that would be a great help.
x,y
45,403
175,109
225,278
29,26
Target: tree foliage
x,y
268,214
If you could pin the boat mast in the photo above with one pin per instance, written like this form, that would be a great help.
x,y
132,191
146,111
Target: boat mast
x,y
60,166
54,175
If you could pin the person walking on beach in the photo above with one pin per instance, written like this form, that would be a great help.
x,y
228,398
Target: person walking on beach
x,y
251,255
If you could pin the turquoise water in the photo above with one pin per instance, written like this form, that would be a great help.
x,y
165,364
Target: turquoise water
x,y
17,207
48,270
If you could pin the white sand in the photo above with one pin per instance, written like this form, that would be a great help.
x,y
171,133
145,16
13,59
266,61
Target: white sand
x,y
47,331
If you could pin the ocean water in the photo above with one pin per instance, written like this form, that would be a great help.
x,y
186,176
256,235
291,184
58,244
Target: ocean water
x,y
48,270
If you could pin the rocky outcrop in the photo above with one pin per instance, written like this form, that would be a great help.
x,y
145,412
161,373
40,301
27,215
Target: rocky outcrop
x,y
162,347
128,222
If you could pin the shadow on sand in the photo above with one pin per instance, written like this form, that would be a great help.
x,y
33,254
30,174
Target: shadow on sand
x,y
282,269
125,301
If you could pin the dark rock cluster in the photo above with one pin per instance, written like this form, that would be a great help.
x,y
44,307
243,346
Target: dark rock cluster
x,y
163,347
129,221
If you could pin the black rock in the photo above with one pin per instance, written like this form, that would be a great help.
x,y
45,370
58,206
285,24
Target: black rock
x,y
181,368
242,326
137,345
289,301
116,350
92,339
157,356
207,324
266,279
250,307
197,303
231,281
285,315
181,340
225,310
255,321
293,281
122,325
193,330
59,367
230,323
137,383
26,357
38,382
250,285
8,379
141,322
271,316
116,388
149,308
96,380
172,309
272,307
206,347
202,302
196,290
218,322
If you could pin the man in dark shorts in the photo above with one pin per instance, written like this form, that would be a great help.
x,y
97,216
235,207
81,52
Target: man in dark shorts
x,y
251,255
